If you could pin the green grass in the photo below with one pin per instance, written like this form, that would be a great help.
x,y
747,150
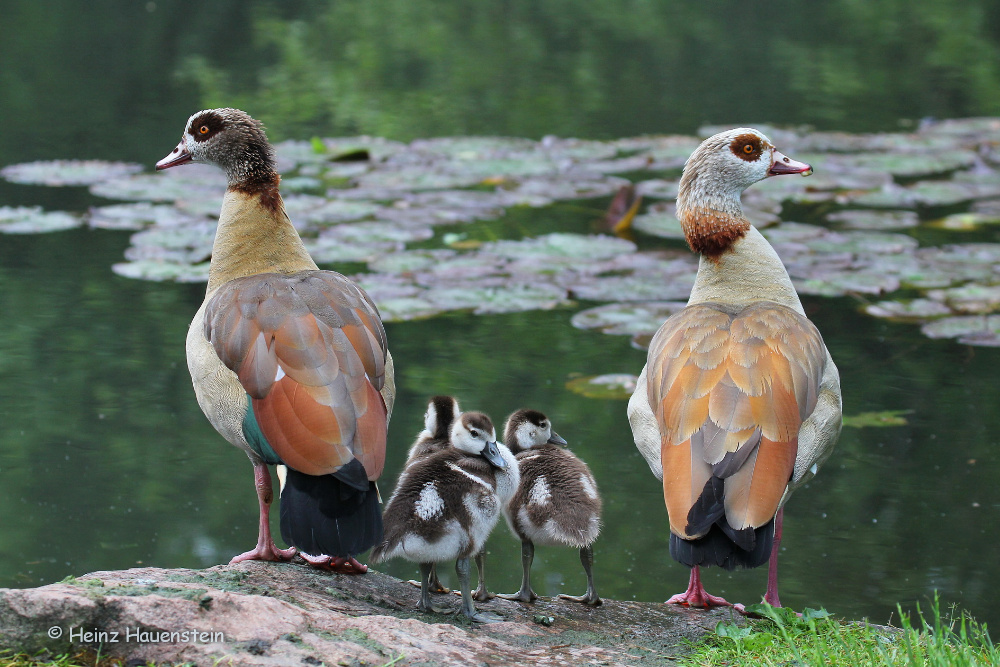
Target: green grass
x,y
782,638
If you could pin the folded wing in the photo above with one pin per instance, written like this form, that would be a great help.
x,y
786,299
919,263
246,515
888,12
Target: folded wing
x,y
310,351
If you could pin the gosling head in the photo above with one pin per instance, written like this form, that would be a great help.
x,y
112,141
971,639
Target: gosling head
x,y
529,428
474,434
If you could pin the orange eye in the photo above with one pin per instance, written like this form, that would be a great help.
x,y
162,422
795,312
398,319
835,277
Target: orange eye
x,y
203,129
748,149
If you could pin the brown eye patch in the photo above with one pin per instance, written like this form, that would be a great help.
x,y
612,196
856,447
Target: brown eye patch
x,y
747,147
205,126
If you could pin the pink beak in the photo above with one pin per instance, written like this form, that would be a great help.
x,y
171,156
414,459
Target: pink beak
x,y
177,156
784,165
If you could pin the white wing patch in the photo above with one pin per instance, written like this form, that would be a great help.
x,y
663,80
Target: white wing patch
x,y
539,493
588,486
429,504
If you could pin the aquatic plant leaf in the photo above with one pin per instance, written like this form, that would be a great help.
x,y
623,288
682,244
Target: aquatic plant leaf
x,y
909,310
136,216
578,246
981,330
161,271
660,220
501,298
970,298
638,287
612,386
33,220
657,188
868,220
409,261
627,319
67,172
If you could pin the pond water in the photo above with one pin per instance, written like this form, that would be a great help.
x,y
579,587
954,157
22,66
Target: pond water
x,y
106,461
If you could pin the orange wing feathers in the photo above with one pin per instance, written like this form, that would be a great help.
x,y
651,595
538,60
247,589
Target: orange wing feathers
x,y
310,350
730,389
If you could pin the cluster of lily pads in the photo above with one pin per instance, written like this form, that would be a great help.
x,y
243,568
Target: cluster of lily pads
x,y
382,204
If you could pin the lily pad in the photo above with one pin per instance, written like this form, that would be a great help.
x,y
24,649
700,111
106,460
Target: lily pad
x,y
504,298
969,299
657,188
627,319
408,261
881,419
981,330
642,287
613,386
910,310
68,172
33,220
660,220
161,271
965,222
578,246
136,216
874,220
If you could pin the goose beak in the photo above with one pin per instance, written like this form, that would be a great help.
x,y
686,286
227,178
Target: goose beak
x,y
555,439
492,454
786,165
179,155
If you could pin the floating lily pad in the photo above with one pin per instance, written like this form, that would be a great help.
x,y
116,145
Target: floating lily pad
x,y
657,188
971,330
136,216
969,299
660,220
627,319
558,188
578,246
67,172
408,261
644,287
881,419
33,220
912,310
159,187
161,271
505,298
613,386
182,244
874,220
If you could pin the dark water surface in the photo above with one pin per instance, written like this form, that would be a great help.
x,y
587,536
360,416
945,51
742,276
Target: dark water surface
x,y
107,462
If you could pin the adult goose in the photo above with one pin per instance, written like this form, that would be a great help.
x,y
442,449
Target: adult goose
x,y
556,503
739,401
447,503
289,363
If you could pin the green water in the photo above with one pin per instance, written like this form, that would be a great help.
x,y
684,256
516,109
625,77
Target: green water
x,y
105,459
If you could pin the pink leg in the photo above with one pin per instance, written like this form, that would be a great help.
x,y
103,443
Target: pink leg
x,y
771,597
696,595
265,549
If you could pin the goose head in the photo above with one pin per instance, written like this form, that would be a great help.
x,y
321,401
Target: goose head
x,y
529,428
716,174
442,411
229,139
474,434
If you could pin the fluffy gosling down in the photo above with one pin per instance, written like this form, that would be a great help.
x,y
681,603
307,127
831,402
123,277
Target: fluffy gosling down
x,y
556,503
447,503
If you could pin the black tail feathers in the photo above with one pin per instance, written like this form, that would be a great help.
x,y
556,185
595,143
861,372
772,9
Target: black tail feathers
x,y
717,549
324,515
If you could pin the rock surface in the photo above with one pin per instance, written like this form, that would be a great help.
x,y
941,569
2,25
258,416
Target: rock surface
x,y
257,613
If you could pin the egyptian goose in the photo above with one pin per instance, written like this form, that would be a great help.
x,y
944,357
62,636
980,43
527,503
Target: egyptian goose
x,y
556,501
739,401
289,363
446,504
